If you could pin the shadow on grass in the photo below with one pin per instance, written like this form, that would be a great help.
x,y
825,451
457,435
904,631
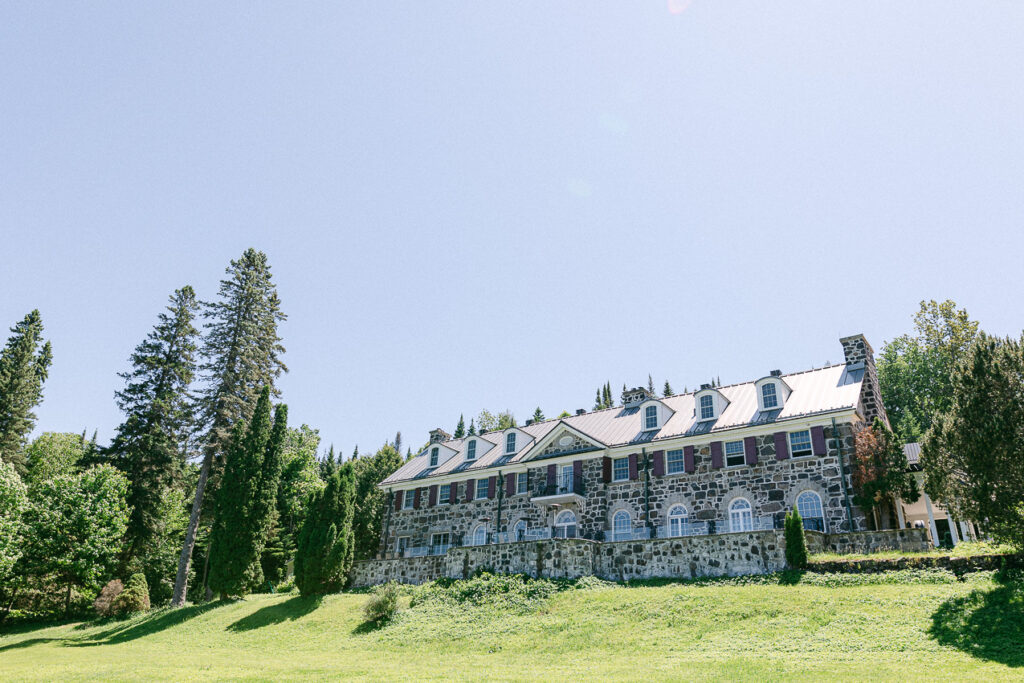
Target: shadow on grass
x,y
151,623
988,624
289,610
28,642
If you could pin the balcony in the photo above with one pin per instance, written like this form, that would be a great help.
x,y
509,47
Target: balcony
x,y
565,489
636,533
679,530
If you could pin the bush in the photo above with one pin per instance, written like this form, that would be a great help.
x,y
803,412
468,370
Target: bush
x,y
383,603
104,604
134,598
796,544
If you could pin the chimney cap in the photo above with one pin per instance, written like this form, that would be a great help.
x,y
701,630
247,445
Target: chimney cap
x,y
581,411
528,422
776,373
705,386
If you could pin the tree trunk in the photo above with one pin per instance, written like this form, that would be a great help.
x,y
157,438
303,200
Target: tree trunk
x,y
67,601
181,581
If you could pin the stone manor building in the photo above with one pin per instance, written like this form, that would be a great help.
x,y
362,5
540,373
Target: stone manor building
x,y
719,460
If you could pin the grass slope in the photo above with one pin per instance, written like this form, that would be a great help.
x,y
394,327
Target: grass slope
x,y
916,626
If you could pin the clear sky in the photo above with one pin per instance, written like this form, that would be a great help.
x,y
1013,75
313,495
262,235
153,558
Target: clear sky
x,y
502,205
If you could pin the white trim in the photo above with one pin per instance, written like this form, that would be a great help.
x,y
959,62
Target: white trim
x,y
725,454
810,443
749,510
615,460
444,500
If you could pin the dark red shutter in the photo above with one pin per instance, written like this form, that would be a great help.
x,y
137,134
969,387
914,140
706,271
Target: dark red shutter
x,y
398,500
469,490
551,475
781,446
453,492
492,487
688,460
750,449
606,469
659,463
510,484
716,455
416,499
577,474
818,440
433,495
634,470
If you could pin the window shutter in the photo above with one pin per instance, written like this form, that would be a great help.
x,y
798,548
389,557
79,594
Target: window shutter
x,y
659,463
818,440
781,446
577,473
551,475
416,499
510,484
433,496
453,492
750,449
688,460
716,455
470,485
634,471
492,487
398,500
606,469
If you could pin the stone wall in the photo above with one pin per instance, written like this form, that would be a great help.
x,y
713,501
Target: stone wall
x,y
904,540
756,552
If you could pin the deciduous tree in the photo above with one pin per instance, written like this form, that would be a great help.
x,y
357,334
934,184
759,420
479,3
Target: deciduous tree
x,y
879,469
370,501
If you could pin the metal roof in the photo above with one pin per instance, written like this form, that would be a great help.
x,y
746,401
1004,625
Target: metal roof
x,y
814,391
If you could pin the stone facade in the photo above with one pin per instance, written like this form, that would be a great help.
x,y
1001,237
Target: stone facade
x,y
857,350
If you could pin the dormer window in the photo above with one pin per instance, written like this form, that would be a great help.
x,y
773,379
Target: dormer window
x,y
650,417
510,442
769,396
471,450
434,452
707,407
772,392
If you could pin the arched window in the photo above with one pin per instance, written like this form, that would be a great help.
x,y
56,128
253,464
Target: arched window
x,y
565,524
622,526
677,519
808,504
769,397
651,417
740,515
480,534
510,442
519,530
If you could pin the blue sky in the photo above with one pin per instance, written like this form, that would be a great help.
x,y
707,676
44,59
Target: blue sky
x,y
502,205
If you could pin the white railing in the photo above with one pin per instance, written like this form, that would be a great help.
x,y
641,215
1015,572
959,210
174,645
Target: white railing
x,y
637,533
684,529
424,550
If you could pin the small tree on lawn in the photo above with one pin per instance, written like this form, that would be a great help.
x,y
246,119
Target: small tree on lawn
x,y
880,470
796,543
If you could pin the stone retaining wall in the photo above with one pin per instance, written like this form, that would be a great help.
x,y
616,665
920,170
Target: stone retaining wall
x,y
904,540
957,565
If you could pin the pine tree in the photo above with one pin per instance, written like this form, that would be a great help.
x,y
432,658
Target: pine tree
x,y
326,547
398,442
650,385
24,364
150,446
242,354
460,429
796,543
667,391
328,464
355,453
598,401
264,517
538,415
472,428
370,501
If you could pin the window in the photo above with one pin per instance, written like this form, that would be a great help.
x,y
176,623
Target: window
x,y
565,479
651,417
677,519
433,456
521,482
734,453
479,536
519,530
808,504
471,450
620,469
740,515
510,442
445,494
800,443
439,543
707,407
481,488
769,398
674,461
409,497
565,524
401,544
622,526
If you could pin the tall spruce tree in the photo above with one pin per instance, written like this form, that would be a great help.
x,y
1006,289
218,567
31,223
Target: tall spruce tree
x,y
667,391
150,446
242,353
326,547
370,501
398,442
460,429
24,364
598,402
650,385
472,428
538,415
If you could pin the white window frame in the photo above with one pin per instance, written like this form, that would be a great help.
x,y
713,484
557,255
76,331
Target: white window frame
x,y
818,501
521,524
648,416
478,530
626,534
742,454
615,462
435,537
471,450
677,521
443,498
810,444
681,463
408,499
510,442
401,547
435,453
482,486
701,407
522,483
744,515
764,396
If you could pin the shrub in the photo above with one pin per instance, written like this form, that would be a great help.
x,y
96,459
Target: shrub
x,y
383,603
104,604
796,544
134,598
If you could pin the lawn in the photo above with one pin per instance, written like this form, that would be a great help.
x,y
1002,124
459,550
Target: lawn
x,y
899,626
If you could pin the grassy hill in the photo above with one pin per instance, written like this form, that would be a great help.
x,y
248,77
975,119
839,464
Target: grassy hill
x,y
904,625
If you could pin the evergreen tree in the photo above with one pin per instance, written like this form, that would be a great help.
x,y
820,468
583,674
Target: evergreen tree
x,y
24,364
300,478
472,428
150,445
398,442
667,391
598,401
355,453
328,464
326,547
460,429
650,385
796,543
242,354
370,501
538,415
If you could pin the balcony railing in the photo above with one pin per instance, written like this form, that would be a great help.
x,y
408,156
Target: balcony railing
x,y
425,550
685,529
637,533
563,485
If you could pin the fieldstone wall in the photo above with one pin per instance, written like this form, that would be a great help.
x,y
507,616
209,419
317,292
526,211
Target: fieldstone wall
x,y
904,540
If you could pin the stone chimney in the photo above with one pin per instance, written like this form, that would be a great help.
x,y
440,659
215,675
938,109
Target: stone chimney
x,y
438,435
860,357
634,397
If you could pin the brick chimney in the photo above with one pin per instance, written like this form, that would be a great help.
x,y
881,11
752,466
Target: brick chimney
x,y
860,357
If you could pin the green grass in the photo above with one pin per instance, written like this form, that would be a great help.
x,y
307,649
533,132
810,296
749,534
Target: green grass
x,y
898,626
965,549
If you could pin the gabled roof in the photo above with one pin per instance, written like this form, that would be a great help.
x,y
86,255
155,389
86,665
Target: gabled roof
x,y
823,390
